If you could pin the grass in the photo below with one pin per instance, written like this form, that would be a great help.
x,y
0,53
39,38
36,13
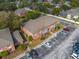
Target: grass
x,y
35,43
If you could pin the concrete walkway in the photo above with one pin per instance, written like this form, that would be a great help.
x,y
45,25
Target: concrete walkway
x,y
72,21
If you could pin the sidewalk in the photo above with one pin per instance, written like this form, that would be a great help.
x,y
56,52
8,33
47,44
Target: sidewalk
x,y
72,21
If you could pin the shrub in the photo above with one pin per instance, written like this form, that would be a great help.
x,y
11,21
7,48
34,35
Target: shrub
x,y
4,53
33,14
30,38
21,46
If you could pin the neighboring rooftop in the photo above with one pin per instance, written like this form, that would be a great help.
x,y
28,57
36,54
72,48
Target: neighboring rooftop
x,y
40,23
5,38
20,11
18,36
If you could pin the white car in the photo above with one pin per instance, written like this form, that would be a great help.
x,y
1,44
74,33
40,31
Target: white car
x,y
48,44
75,56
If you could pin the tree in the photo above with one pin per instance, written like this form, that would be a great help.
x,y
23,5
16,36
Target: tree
x,y
7,6
34,0
48,5
65,7
30,38
14,22
61,2
33,14
74,3
56,11
58,26
4,16
56,1
21,47
41,8
4,53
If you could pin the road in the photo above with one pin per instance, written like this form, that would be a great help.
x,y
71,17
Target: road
x,y
63,51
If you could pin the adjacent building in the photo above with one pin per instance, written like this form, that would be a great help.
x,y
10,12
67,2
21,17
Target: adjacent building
x,y
6,41
36,28
17,37
20,12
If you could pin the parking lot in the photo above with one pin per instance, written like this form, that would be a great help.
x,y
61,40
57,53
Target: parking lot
x,y
53,43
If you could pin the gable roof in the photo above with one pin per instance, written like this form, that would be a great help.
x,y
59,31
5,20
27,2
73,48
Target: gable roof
x,y
5,38
18,36
20,11
40,23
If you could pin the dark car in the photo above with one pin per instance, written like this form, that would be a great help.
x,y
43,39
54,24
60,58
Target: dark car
x,y
66,29
76,48
75,53
34,53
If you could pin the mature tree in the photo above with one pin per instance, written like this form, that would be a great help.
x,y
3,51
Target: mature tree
x,y
58,26
41,8
48,5
74,3
14,21
34,0
61,2
65,7
4,53
56,1
4,16
56,11
7,6
33,14
30,38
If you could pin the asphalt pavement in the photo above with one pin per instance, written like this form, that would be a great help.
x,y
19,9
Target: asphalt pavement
x,y
64,50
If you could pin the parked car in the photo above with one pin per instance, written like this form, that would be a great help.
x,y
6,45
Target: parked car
x,y
48,44
75,53
27,56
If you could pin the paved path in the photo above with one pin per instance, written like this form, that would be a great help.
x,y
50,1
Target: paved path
x,y
63,51
64,19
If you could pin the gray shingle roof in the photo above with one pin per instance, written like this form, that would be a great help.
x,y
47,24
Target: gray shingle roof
x,y
18,36
5,38
20,11
40,23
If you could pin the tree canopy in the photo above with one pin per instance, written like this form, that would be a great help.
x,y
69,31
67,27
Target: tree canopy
x,y
74,3
14,21
33,14
65,7
56,11
7,6
4,16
